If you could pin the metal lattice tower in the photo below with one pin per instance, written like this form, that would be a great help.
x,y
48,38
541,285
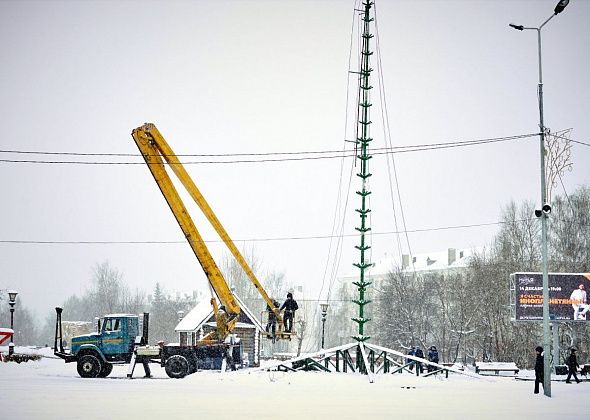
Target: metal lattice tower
x,y
362,145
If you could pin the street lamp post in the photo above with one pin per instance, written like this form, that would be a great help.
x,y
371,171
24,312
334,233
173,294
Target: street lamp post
x,y
11,301
546,207
324,309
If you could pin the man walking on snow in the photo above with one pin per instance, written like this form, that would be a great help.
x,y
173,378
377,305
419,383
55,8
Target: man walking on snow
x,y
572,366
539,369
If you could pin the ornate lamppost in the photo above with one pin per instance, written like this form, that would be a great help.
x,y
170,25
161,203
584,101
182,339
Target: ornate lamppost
x,y
11,301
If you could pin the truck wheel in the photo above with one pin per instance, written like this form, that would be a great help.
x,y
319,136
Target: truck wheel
x,y
89,366
106,370
176,366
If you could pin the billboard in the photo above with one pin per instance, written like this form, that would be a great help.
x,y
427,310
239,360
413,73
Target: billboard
x,y
569,296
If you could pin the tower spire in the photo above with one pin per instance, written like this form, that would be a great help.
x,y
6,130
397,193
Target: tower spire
x,y
362,146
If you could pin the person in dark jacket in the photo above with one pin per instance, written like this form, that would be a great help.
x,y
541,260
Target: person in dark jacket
x,y
539,369
432,357
412,352
271,325
572,366
420,354
290,306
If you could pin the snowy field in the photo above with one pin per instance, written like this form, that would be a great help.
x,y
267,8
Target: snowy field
x,y
51,389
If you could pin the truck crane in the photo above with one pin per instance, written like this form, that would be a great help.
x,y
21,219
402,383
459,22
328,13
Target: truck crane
x,y
117,339
155,150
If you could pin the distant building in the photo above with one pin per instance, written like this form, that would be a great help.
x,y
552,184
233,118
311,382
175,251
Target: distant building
x,y
449,261
442,262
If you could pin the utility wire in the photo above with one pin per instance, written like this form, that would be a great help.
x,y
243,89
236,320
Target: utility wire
x,y
338,211
387,134
291,238
333,154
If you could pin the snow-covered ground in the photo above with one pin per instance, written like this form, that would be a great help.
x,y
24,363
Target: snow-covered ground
x,y
51,389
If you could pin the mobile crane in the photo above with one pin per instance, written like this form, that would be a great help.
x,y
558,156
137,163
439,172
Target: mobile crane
x,y
155,150
117,341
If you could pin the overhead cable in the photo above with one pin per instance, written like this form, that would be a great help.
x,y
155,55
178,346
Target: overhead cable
x,y
291,238
330,154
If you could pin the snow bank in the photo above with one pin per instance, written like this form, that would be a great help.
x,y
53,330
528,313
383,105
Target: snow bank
x,y
51,389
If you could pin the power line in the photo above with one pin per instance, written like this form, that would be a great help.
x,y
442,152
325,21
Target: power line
x,y
327,154
580,142
291,238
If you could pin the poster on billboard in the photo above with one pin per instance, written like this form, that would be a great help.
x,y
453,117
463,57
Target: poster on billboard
x,y
569,298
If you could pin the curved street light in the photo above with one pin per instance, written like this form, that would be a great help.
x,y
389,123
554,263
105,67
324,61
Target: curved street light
x,y
546,207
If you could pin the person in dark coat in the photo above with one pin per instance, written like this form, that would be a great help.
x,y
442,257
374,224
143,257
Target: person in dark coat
x,y
539,369
290,306
412,352
432,357
271,325
420,354
572,366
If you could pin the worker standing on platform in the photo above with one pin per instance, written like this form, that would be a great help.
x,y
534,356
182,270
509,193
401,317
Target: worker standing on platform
x,y
271,325
290,306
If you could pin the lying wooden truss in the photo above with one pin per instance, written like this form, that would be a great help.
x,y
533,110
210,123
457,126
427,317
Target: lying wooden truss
x,y
362,358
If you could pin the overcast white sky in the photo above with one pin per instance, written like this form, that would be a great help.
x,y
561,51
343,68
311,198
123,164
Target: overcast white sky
x,y
267,76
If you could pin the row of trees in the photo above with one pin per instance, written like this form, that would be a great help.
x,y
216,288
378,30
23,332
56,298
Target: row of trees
x,y
107,294
466,312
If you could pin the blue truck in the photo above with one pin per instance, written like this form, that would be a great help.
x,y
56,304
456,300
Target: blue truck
x,y
118,341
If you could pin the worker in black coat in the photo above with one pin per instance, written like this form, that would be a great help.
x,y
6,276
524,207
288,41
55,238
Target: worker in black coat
x,y
572,366
290,306
271,326
539,369
420,354
412,352
432,357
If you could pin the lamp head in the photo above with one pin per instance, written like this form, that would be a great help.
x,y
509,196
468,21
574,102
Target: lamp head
x,y
560,6
519,27
324,307
12,296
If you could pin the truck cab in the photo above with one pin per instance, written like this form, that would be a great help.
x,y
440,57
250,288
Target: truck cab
x,y
96,352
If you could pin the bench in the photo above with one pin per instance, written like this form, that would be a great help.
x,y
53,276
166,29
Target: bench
x,y
495,368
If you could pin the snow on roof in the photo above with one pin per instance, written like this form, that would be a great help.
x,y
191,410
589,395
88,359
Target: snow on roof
x,y
120,315
430,261
6,331
193,320
201,313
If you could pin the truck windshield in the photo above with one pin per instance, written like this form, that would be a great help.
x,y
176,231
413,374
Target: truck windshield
x,y
112,325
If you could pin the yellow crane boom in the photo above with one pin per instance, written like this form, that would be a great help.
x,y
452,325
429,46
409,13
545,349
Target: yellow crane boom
x,y
155,150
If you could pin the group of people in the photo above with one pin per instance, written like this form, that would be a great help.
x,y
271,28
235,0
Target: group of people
x,y
417,352
289,306
571,362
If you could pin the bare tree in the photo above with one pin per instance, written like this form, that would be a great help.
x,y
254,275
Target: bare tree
x,y
558,148
107,289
